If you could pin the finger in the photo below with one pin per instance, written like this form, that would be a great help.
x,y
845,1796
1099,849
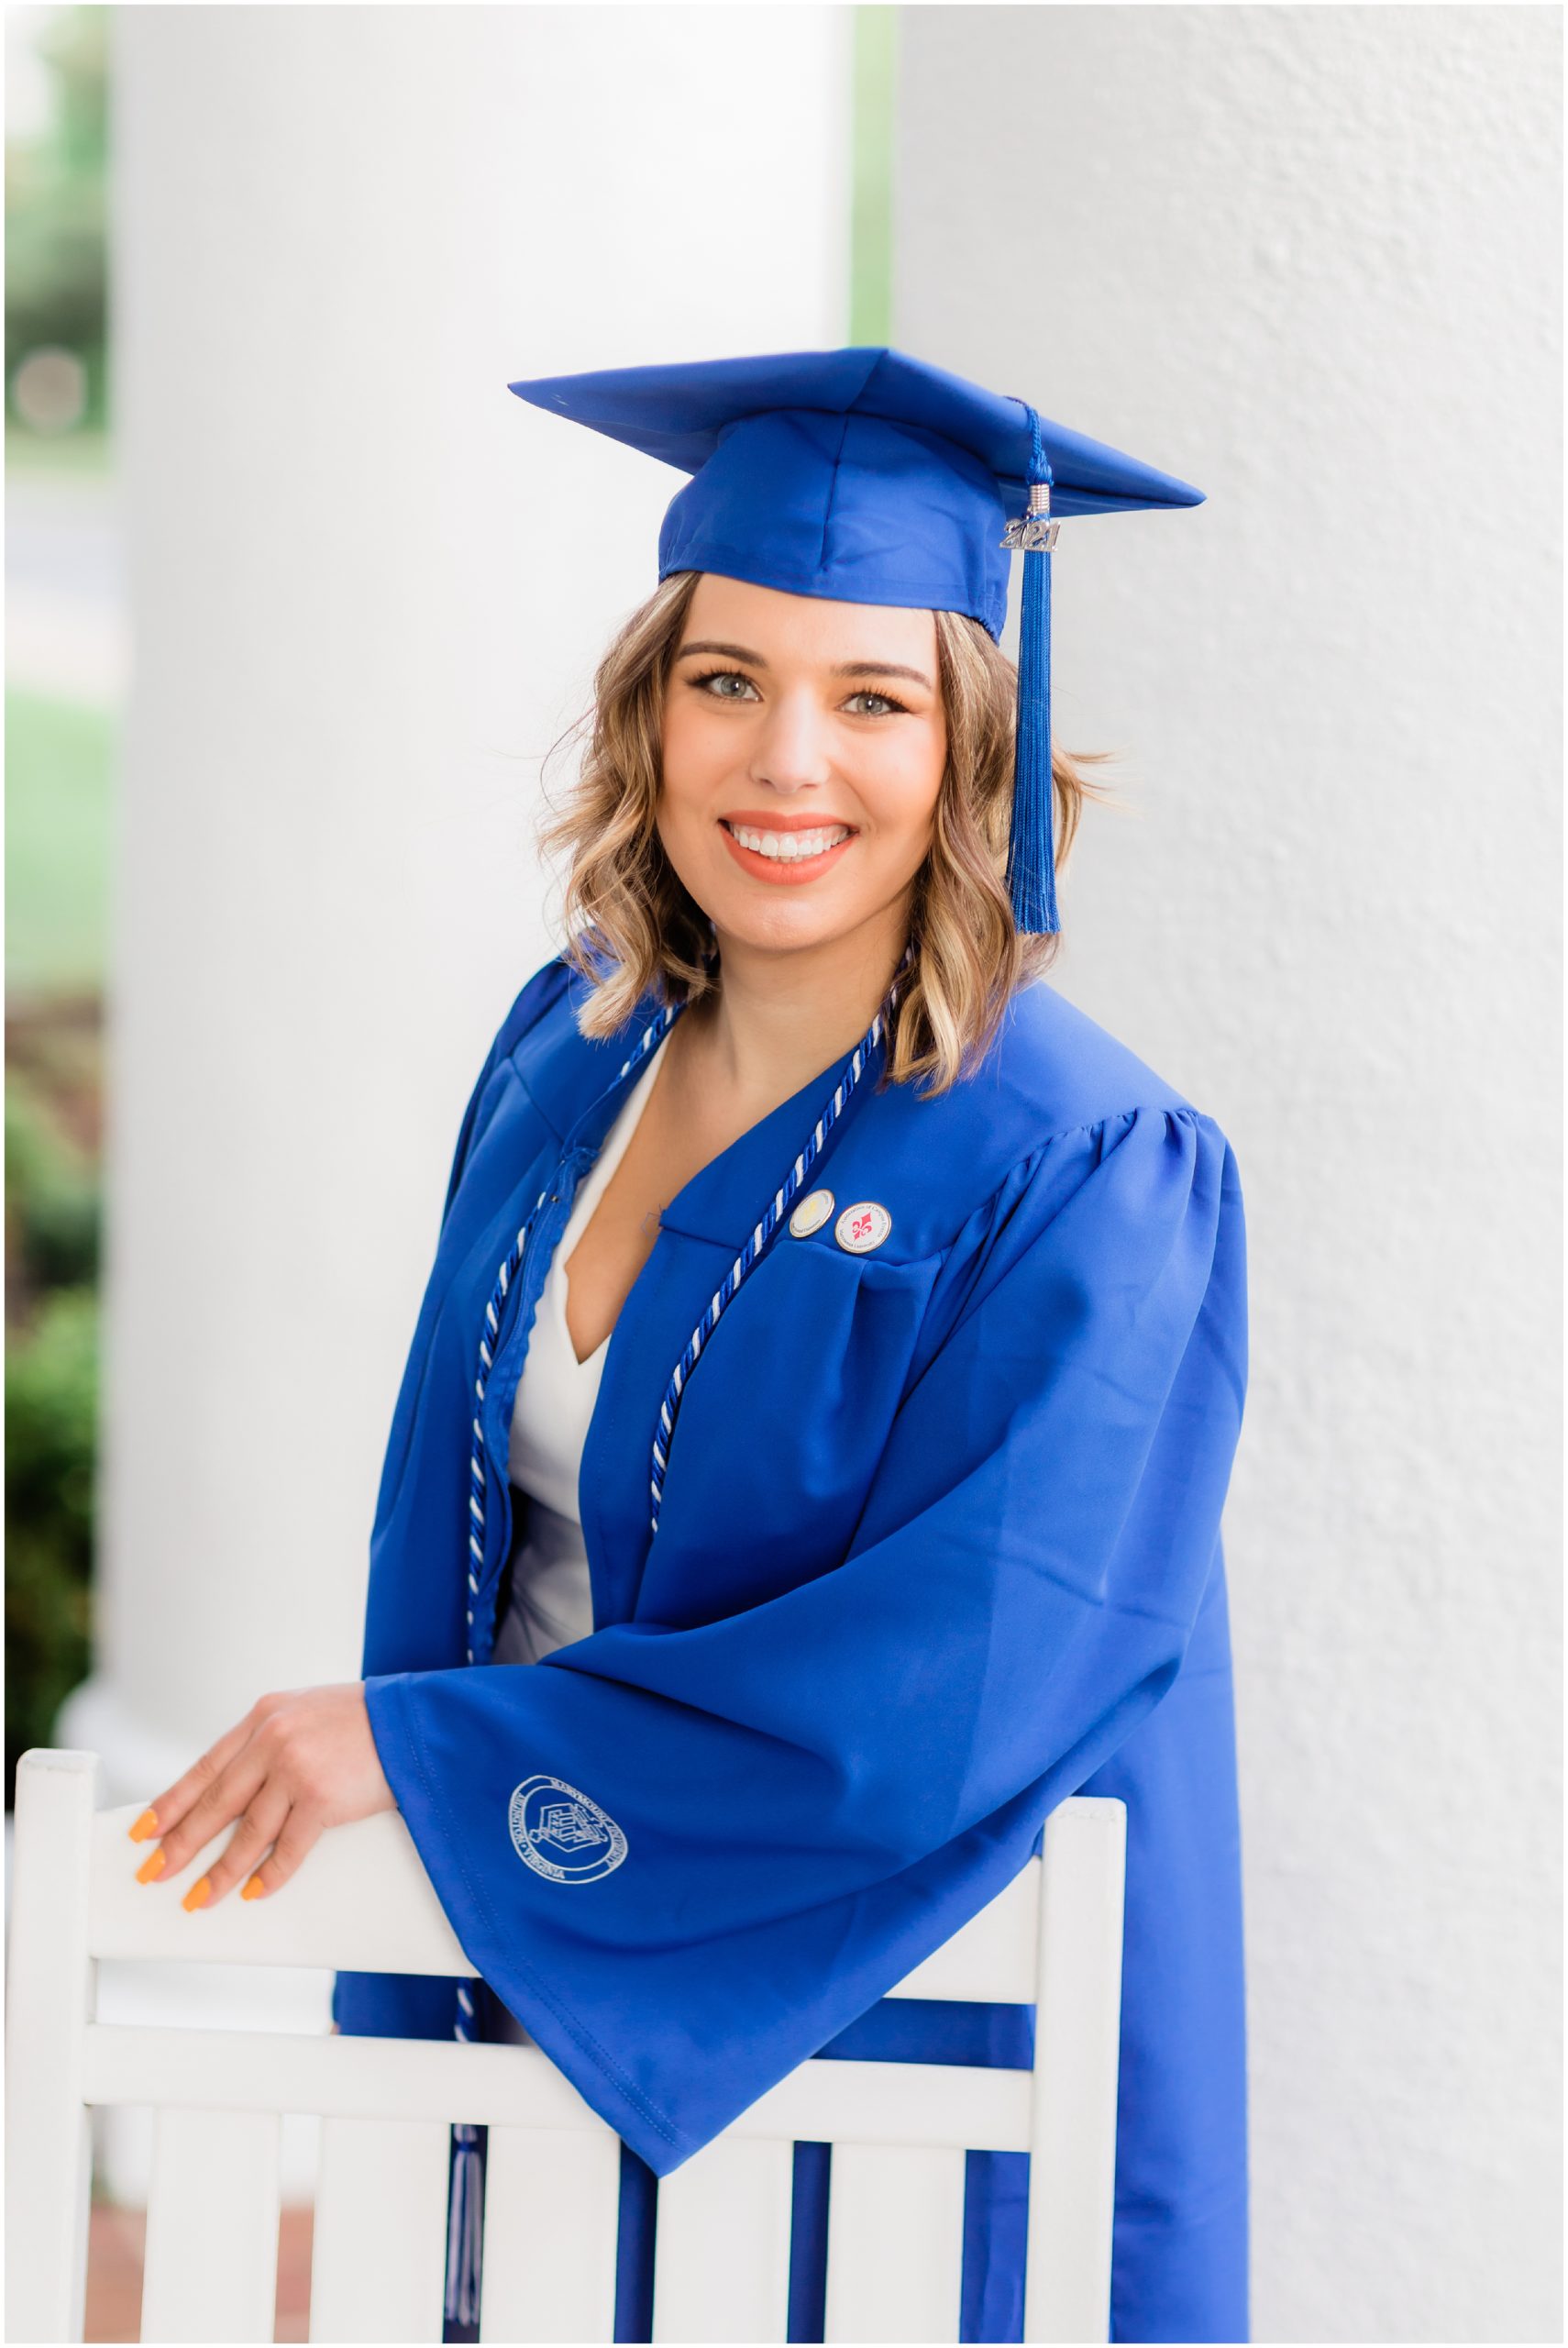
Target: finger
x,y
166,1809
260,1823
227,1797
302,1830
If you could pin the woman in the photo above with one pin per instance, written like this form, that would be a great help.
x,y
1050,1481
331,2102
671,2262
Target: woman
x,y
824,1397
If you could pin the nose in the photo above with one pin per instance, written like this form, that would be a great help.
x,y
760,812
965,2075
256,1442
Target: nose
x,y
791,752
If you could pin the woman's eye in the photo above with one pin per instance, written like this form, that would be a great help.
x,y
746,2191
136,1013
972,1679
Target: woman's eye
x,y
716,682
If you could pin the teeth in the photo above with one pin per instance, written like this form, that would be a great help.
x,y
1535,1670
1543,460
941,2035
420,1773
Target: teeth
x,y
788,847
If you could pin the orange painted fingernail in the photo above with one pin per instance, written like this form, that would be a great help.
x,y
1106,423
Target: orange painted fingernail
x,y
145,1826
151,1866
254,1890
198,1895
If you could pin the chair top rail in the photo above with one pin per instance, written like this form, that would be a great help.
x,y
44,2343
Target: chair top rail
x,y
991,1960
893,2103
363,1902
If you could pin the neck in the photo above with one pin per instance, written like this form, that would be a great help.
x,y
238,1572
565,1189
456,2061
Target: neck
x,y
781,1018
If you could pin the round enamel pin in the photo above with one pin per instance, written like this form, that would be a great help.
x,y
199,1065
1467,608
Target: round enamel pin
x,y
862,1228
811,1214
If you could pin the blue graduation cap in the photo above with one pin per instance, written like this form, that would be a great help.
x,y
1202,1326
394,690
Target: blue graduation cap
x,y
869,477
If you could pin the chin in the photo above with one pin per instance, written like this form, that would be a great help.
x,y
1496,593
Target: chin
x,y
784,929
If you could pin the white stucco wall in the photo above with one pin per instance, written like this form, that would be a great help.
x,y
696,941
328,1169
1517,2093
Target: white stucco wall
x,y
1308,259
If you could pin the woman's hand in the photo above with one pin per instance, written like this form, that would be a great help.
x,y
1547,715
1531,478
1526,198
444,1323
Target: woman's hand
x,y
297,1763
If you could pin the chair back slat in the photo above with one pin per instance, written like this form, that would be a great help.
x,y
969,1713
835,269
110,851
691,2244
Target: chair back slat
x,y
379,2248
551,2217
721,2244
210,2271
895,2266
1078,2046
51,1990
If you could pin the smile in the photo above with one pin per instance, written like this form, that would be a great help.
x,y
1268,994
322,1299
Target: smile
x,y
788,846
797,854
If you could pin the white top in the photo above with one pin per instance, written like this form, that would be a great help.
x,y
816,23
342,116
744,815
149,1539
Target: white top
x,y
551,1603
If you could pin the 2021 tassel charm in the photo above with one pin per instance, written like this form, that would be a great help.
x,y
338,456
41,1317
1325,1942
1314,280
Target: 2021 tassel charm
x,y
1031,854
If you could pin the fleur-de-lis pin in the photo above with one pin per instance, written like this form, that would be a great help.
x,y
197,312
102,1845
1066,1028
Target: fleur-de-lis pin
x,y
863,1227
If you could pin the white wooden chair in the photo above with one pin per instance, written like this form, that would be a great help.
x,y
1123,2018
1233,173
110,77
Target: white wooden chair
x,y
362,1900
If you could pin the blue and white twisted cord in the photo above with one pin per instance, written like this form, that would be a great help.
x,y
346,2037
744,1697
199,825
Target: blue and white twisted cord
x,y
849,1077
465,2214
490,1336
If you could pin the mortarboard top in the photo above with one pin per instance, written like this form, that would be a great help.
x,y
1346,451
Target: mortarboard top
x,y
866,476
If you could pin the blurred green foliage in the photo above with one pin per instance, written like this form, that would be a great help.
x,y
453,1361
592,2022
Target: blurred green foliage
x,y
58,772
56,208
58,784
51,1400
51,1190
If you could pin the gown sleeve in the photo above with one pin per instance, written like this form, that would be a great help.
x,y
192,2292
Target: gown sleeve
x,y
798,1801
543,988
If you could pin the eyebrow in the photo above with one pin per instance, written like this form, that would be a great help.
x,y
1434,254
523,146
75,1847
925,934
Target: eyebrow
x,y
844,669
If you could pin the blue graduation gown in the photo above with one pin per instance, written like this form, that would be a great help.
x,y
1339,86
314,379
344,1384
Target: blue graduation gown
x,y
939,1546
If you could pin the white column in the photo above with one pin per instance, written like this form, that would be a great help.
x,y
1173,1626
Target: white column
x,y
1308,259
367,588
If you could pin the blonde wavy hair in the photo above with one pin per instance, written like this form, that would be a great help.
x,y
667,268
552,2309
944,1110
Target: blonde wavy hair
x,y
633,927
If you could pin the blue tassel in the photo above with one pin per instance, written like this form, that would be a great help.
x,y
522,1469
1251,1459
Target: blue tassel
x,y
465,2228
1030,857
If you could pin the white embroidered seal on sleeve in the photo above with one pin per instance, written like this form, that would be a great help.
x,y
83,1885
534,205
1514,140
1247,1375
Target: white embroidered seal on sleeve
x,y
561,1833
